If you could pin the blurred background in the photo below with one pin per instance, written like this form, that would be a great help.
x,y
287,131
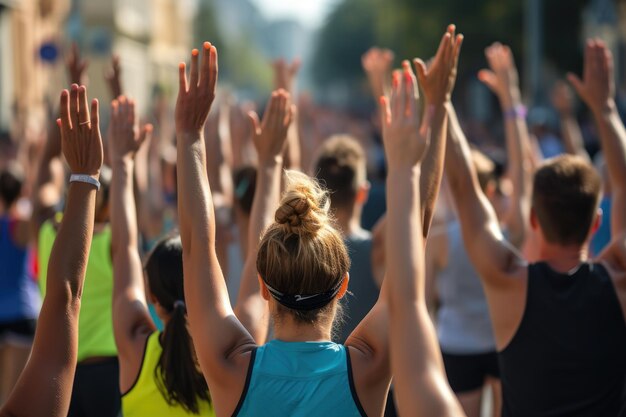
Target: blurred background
x,y
329,36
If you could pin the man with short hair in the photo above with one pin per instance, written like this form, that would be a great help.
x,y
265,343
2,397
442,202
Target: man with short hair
x,y
341,167
559,323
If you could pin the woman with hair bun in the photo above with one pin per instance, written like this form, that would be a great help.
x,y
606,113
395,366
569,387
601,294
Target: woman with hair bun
x,y
296,273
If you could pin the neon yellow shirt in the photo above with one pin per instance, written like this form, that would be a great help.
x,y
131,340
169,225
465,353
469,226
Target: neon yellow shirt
x,y
145,399
95,323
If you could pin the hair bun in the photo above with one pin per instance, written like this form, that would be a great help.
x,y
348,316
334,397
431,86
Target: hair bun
x,y
304,206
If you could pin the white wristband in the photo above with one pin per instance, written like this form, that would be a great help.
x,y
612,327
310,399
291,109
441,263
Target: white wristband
x,y
86,179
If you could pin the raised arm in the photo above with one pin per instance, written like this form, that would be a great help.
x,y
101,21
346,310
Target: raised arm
x,y
437,82
499,265
131,320
50,369
285,75
219,338
502,80
563,101
597,89
49,182
113,77
269,138
420,383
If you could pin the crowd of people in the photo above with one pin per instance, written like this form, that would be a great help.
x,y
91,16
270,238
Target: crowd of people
x,y
217,262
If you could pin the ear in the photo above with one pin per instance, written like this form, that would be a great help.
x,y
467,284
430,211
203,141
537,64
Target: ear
x,y
363,193
264,291
344,286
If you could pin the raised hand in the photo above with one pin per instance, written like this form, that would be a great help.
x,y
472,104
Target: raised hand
x,y
80,133
597,88
113,77
196,95
125,136
562,98
285,73
501,78
404,139
377,64
438,78
269,136
76,66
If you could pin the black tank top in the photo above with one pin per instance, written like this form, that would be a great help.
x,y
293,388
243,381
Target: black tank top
x,y
568,357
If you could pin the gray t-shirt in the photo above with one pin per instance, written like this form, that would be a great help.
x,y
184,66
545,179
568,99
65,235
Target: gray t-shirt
x,y
362,286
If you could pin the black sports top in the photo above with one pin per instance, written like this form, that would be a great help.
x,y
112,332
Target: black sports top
x,y
568,357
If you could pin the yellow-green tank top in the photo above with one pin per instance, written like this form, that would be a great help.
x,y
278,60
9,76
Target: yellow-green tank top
x,y
144,398
95,323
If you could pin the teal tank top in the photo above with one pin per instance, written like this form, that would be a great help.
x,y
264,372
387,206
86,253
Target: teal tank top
x,y
300,379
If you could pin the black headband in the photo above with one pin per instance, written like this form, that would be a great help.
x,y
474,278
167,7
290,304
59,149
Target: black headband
x,y
304,302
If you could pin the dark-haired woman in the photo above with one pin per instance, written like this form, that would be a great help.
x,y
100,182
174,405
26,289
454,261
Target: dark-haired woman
x,y
159,374
300,268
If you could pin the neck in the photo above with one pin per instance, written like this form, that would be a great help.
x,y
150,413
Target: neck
x,y
287,330
563,258
349,220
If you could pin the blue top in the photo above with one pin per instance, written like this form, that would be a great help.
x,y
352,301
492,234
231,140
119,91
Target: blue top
x,y
19,295
300,379
463,321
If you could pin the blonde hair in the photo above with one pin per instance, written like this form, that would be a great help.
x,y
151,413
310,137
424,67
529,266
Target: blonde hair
x,y
302,252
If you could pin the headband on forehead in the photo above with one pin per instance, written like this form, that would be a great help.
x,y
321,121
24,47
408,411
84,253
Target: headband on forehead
x,y
304,302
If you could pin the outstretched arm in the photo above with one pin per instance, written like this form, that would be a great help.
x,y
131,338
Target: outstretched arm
x,y
270,139
219,338
437,82
131,320
499,265
50,370
113,77
563,101
597,89
421,388
502,79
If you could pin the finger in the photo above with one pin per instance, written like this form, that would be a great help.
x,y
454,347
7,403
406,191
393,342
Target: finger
x,y
95,115
213,69
385,113
457,50
443,45
411,91
193,71
283,108
74,105
254,122
83,109
206,64
182,78
66,122
407,89
396,95
131,112
488,78
420,70
576,83
114,111
145,133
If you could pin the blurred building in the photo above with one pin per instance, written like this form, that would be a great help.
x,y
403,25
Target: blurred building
x,y
25,25
150,36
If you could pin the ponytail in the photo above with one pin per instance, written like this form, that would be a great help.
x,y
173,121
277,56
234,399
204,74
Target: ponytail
x,y
177,374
